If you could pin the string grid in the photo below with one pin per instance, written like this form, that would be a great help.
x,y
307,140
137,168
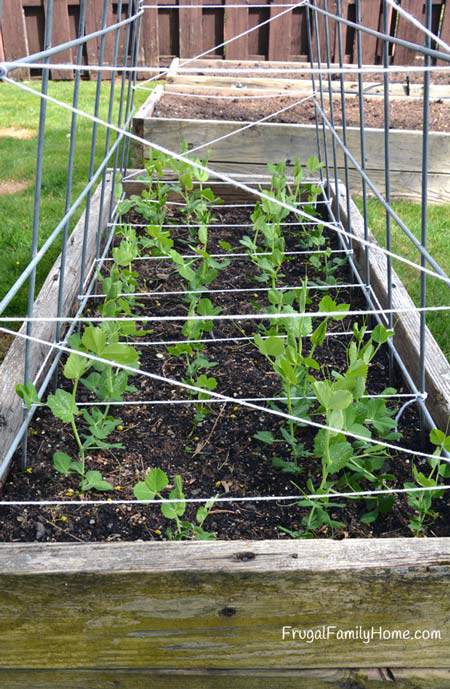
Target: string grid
x,y
126,70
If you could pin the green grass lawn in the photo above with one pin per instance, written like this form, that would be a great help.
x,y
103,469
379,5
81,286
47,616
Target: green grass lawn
x,y
20,111
438,246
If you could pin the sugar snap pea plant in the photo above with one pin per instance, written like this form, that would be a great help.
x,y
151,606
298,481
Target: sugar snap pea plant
x,y
422,502
91,426
155,486
283,345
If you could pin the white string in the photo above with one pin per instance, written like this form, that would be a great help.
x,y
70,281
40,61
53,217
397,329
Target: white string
x,y
419,25
234,255
220,500
252,124
143,403
227,290
163,71
212,226
213,7
220,340
226,178
220,317
224,398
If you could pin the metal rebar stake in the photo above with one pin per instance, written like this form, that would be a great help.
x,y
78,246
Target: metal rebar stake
x,y
28,346
424,213
101,56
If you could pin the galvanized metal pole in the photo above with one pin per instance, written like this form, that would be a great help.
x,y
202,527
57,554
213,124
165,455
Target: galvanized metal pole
x,y
28,347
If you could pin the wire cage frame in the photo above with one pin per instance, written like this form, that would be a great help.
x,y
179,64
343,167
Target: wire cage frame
x,y
100,219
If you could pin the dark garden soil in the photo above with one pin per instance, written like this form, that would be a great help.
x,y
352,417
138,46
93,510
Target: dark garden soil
x,y
404,114
218,457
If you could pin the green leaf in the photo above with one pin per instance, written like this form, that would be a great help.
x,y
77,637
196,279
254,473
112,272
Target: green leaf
x,y
28,392
94,339
142,492
340,400
75,367
341,453
437,437
271,346
265,437
156,480
121,354
62,405
380,334
93,480
62,463
203,234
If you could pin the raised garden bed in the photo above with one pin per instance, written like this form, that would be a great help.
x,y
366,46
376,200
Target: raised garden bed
x,y
167,614
172,119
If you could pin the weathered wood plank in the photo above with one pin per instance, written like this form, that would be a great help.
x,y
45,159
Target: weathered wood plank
x,y
61,34
370,16
407,325
12,367
408,32
15,42
190,27
273,141
150,35
217,605
279,33
445,28
143,114
235,23
94,20
200,83
228,679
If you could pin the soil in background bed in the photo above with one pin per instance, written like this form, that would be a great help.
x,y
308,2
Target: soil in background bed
x,y
219,457
404,114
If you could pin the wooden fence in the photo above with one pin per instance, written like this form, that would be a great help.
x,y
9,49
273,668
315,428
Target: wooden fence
x,y
186,32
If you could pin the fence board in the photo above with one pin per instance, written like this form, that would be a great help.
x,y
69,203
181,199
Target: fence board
x,y
280,34
445,28
190,27
409,32
168,33
150,36
61,34
94,12
15,44
370,16
235,22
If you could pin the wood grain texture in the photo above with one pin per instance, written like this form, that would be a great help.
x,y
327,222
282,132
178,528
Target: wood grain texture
x,y
150,36
61,34
408,32
407,325
12,367
370,17
228,679
13,27
144,113
235,23
190,27
217,605
279,33
273,141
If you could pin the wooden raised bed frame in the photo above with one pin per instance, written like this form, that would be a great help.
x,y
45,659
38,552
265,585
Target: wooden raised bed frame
x,y
194,615
249,151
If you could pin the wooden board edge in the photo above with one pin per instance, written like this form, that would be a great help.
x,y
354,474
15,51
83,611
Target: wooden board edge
x,y
12,364
366,678
220,557
407,328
